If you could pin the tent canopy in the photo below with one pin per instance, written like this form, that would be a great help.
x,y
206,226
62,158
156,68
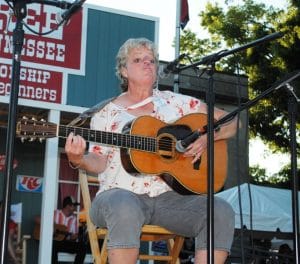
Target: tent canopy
x,y
271,207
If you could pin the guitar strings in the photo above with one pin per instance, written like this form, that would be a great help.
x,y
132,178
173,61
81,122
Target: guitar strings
x,y
34,128
123,140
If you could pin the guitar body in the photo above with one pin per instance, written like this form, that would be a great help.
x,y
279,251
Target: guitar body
x,y
178,171
59,232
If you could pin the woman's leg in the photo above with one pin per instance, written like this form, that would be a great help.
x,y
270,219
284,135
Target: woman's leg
x,y
187,216
124,214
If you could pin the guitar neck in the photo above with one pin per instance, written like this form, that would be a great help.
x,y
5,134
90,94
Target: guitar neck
x,y
148,144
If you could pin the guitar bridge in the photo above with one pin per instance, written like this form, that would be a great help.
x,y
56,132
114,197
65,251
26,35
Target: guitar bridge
x,y
196,165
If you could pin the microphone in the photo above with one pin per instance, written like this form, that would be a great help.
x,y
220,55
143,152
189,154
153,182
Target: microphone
x,y
172,66
66,15
181,145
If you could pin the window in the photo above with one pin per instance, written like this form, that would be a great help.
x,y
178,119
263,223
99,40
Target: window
x,y
69,183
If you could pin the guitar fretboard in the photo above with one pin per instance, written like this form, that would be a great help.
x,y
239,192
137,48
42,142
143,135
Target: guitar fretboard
x,y
110,138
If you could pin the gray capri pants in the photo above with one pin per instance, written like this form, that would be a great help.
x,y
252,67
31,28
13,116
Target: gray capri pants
x,y
124,213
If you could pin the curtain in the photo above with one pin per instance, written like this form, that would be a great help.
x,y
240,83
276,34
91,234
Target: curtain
x,y
67,174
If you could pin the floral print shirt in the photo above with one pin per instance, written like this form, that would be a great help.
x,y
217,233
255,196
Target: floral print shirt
x,y
168,107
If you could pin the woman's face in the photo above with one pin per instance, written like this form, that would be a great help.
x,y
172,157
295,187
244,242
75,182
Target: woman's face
x,y
140,67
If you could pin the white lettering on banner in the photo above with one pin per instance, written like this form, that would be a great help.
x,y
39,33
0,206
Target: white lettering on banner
x,y
6,44
46,50
29,92
50,20
35,84
26,74
32,48
31,19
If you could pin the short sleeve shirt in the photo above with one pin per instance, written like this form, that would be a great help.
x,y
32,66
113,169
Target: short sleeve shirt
x,y
69,221
168,107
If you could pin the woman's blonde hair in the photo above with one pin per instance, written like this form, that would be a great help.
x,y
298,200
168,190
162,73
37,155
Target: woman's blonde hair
x,y
123,53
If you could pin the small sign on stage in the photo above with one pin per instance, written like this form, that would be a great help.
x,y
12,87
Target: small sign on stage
x,y
26,183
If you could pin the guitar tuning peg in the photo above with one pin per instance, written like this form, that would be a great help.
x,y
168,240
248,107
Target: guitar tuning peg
x,y
41,140
43,120
31,139
24,117
22,139
33,118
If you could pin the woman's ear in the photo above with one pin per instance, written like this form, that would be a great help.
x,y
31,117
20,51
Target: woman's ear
x,y
124,72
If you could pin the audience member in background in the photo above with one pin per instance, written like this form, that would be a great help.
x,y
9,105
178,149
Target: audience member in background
x,y
66,232
12,230
285,254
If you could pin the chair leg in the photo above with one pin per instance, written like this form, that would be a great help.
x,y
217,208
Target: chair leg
x,y
104,253
94,247
175,246
24,248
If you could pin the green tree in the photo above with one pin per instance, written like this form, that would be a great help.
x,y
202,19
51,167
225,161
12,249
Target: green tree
x,y
238,25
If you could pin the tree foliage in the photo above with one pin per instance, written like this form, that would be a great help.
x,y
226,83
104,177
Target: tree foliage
x,y
264,65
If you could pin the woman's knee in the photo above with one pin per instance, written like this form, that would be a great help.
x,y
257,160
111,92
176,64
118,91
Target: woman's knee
x,y
223,213
223,227
116,205
124,204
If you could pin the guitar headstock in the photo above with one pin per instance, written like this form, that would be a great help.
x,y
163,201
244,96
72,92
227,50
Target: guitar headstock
x,y
33,129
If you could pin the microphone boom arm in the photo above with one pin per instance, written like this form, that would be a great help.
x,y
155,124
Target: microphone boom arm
x,y
209,59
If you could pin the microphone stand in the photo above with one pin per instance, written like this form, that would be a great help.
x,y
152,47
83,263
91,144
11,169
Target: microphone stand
x,y
20,13
18,39
210,100
210,62
292,108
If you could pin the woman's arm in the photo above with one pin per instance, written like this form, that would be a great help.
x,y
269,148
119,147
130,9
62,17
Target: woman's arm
x,y
75,148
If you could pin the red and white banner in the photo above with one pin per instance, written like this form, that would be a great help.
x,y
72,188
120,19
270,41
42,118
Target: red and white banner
x,y
35,84
60,48
46,59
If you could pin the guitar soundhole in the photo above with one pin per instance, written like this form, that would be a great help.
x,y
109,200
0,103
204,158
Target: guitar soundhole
x,y
167,137
165,147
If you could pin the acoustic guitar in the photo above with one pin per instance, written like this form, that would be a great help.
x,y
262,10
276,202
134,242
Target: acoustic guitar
x,y
148,146
60,232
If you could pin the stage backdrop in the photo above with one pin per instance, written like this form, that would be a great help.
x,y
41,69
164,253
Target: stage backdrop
x,y
74,64
68,70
